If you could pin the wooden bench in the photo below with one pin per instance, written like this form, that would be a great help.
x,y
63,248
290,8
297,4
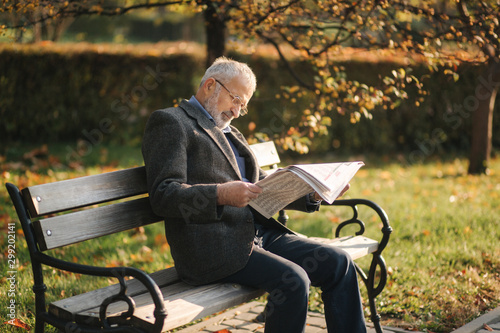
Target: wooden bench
x,y
157,302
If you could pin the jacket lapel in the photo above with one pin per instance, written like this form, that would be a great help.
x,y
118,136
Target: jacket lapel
x,y
252,168
214,132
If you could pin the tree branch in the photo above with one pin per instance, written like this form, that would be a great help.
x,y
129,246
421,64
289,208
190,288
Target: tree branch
x,y
106,11
286,62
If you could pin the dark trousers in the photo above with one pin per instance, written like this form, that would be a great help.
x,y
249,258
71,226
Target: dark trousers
x,y
285,265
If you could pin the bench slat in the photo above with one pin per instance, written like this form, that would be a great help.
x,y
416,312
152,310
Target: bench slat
x,y
67,308
184,303
185,309
87,224
356,246
83,191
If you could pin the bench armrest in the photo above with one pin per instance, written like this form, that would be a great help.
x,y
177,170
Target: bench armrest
x,y
354,203
373,287
120,273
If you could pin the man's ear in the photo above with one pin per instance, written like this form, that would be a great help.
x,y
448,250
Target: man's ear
x,y
206,90
209,85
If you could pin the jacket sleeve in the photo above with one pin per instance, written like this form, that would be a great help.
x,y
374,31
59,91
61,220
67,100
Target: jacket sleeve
x,y
304,204
165,152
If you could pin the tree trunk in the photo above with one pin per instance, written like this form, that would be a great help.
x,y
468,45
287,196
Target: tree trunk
x,y
37,26
482,119
215,28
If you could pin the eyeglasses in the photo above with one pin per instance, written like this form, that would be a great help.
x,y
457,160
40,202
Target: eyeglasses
x,y
236,100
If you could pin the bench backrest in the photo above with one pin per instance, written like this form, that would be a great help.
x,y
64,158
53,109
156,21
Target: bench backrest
x,y
69,211
266,154
77,200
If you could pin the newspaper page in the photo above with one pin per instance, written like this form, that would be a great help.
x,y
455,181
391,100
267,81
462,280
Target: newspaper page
x,y
328,179
287,185
278,190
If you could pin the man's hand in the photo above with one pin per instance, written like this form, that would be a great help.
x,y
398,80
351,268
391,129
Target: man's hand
x,y
347,187
237,193
317,197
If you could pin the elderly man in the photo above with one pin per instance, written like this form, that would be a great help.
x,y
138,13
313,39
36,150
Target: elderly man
x,y
201,174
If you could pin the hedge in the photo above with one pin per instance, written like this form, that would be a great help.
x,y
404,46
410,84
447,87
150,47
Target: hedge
x,y
88,93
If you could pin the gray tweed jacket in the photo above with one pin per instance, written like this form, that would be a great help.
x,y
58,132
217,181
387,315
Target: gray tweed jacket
x,y
186,156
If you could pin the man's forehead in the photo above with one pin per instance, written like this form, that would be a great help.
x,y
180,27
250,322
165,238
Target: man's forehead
x,y
240,87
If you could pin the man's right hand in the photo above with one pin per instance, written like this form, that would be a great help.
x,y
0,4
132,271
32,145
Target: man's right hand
x,y
237,193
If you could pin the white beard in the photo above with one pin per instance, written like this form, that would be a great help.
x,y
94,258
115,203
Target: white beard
x,y
221,121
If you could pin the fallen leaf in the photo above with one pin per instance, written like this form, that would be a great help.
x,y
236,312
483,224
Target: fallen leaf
x,y
335,219
366,192
160,239
487,327
18,323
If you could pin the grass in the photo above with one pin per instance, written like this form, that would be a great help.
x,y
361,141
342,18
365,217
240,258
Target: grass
x,y
444,253
443,257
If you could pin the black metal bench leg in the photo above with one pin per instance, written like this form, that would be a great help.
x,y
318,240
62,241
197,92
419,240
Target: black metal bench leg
x,y
372,290
39,326
39,290
375,317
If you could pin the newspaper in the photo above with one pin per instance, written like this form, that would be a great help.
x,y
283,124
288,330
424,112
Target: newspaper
x,y
288,184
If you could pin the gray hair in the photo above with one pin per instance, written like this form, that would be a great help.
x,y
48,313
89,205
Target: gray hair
x,y
225,69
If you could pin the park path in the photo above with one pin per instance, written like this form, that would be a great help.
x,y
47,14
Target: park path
x,y
242,320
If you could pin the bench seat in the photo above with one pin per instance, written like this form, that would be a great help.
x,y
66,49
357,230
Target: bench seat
x,y
184,303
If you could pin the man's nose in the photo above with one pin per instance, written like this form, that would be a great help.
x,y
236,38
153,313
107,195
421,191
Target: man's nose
x,y
235,110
